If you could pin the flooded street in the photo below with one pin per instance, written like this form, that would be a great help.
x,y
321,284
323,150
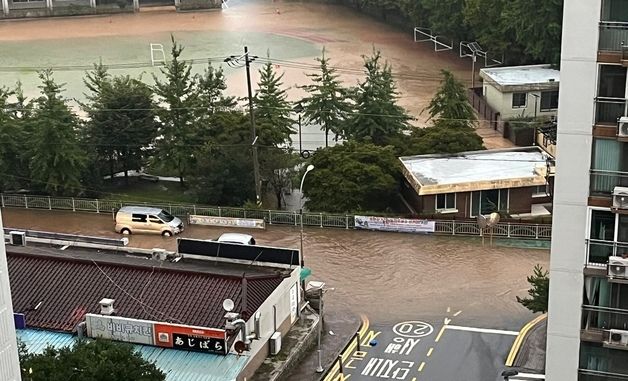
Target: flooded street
x,y
387,276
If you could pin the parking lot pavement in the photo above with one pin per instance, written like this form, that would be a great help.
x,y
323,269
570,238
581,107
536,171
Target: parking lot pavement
x,y
419,350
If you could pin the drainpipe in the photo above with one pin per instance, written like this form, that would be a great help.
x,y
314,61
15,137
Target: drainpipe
x,y
247,338
5,7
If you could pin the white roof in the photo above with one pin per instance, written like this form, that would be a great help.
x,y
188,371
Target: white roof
x,y
477,170
521,75
235,238
140,209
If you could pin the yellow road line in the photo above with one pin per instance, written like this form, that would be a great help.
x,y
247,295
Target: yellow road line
x,y
349,350
516,346
429,352
440,333
422,366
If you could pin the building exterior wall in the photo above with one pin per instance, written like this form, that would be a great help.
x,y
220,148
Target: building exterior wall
x,y
575,116
502,103
276,314
9,363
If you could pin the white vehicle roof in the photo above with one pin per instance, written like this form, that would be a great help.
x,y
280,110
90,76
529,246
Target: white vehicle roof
x,y
243,239
140,209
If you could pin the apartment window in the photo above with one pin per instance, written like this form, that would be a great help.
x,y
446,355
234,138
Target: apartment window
x,y
489,201
593,356
519,100
540,191
445,201
608,165
612,81
615,10
549,100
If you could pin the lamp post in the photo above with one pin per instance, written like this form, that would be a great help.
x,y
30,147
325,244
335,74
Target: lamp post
x,y
234,61
309,168
319,368
299,109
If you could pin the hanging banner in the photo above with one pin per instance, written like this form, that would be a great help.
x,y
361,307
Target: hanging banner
x,y
248,223
387,224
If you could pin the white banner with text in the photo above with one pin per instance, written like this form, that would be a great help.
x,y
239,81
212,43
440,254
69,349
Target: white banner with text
x,y
388,224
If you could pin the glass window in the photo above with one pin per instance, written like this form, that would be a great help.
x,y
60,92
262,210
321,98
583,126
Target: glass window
x,y
136,217
612,81
155,220
519,100
489,201
446,201
615,10
549,100
602,225
609,158
475,203
165,216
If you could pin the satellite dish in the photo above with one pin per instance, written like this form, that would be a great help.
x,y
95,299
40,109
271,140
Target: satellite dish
x,y
482,221
239,347
493,219
228,305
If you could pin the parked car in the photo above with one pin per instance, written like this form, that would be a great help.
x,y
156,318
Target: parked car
x,y
242,239
141,219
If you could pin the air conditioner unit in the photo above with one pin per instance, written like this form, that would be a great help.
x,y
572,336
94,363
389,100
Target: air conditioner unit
x,y
617,337
620,198
18,238
617,268
275,343
622,128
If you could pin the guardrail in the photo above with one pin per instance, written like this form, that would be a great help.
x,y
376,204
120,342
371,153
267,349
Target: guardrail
x,y
346,221
598,252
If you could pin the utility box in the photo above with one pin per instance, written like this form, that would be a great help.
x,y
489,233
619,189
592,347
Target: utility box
x,y
18,238
275,343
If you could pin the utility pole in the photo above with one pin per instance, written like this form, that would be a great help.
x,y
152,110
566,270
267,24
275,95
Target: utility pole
x,y
247,63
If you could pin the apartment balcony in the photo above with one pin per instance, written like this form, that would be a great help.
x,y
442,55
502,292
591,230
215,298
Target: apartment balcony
x,y
613,36
598,252
603,182
609,110
598,319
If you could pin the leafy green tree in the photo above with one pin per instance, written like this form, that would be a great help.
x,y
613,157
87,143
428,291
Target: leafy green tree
x,y
539,291
451,103
377,116
179,97
96,360
223,174
56,160
437,140
445,17
278,169
272,109
538,27
122,122
327,101
352,177
12,138
211,86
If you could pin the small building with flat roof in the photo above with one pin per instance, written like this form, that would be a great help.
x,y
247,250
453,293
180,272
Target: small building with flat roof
x,y
515,91
510,181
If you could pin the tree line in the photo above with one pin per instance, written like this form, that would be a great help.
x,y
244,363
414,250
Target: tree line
x,y
525,31
186,126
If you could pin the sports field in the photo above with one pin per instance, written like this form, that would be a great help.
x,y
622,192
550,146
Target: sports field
x,y
292,33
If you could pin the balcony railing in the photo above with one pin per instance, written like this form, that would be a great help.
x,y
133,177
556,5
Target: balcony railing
x,y
597,375
603,318
598,252
608,110
603,182
613,35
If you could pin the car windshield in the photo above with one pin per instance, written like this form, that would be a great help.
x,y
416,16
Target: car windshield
x,y
165,216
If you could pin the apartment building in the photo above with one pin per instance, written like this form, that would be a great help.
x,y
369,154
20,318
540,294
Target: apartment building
x,y
588,306
9,364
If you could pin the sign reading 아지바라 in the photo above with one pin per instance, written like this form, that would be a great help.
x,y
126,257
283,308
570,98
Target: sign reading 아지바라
x,y
404,225
227,221
120,329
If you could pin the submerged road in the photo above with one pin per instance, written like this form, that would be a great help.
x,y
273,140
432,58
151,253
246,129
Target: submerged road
x,y
392,278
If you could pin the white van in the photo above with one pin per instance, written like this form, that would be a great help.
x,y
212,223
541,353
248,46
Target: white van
x,y
141,219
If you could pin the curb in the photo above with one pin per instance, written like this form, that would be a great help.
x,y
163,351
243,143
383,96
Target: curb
x,y
516,346
333,371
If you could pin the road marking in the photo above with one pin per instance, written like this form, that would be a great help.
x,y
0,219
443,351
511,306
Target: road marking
x,y
481,330
64,247
413,378
422,366
448,309
528,376
440,333
458,313
413,329
429,352
447,321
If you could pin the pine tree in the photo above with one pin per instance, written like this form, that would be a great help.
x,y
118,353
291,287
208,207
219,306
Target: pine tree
x,y
211,86
377,116
327,104
179,96
57,161
272,109
451,103
539,291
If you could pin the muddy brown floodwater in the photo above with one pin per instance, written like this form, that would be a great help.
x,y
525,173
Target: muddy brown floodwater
x,y
388,276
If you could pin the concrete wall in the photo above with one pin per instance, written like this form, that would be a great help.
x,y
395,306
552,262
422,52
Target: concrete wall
x,y
502,103
9,364
276,308
575,116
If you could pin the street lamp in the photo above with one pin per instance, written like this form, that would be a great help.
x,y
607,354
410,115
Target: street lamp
x,y
309,168
299,109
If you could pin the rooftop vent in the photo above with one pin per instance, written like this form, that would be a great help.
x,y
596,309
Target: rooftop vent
x,y
106,306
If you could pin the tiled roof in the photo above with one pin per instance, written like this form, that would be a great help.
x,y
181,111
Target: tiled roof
x,y
56,293
178,365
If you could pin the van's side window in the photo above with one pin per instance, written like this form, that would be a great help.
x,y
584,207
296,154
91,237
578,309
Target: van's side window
x,y
138,217
155,220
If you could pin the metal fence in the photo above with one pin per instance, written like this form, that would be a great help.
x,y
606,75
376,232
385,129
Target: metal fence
x,y
323,220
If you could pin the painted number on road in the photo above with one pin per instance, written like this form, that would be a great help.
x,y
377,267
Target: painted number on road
x,y
413,329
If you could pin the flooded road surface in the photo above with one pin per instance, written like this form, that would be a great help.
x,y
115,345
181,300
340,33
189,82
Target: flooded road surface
x,y
388,276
